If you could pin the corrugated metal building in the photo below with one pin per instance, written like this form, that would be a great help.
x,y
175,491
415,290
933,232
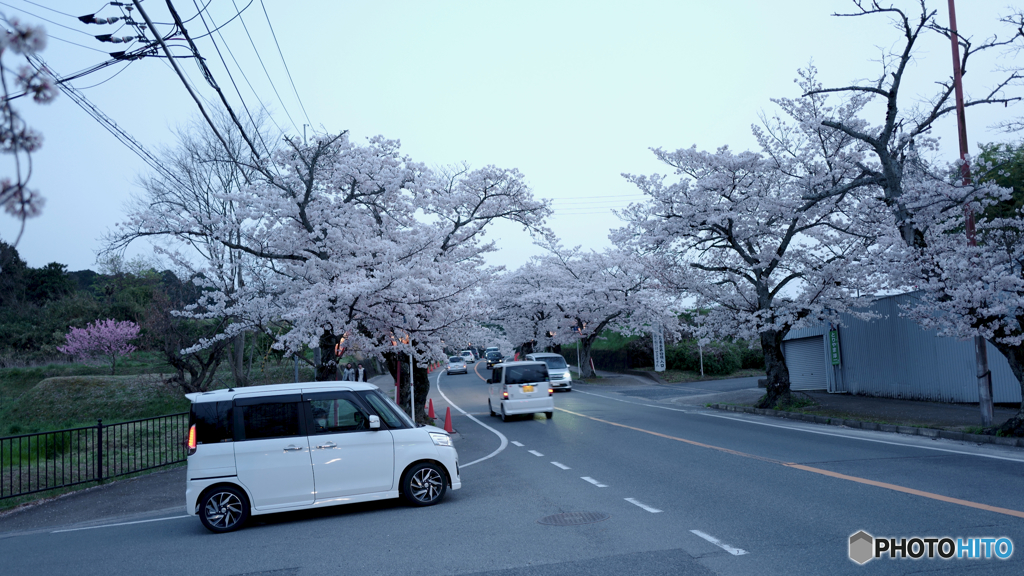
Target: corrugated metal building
x,y
893,357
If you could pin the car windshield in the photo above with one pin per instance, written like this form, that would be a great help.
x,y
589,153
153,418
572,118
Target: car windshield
x,y
525,374
455,359
555,362
493,355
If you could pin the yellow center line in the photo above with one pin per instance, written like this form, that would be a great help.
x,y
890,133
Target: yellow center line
x,y
829,473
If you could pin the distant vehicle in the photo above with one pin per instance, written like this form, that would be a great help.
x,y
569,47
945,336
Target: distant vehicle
x,y
520,388
492,349
561,379
261,449
457,365
469,356
493,357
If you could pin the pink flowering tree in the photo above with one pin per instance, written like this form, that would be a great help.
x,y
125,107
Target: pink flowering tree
x,y
104,338
16,138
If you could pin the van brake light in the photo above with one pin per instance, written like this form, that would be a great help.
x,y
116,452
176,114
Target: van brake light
x,y
192,440
551,391
504,392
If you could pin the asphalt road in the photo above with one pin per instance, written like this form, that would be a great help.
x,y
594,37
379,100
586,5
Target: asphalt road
x,y
666,488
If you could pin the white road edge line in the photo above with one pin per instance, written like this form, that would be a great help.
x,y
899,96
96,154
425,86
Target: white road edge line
x,y
636,502
851,437
720,544
703,412
504,441
119,524
520,444
535,453
594,482
562,466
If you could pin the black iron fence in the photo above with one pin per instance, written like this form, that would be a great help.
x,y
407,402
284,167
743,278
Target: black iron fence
x,y
31,463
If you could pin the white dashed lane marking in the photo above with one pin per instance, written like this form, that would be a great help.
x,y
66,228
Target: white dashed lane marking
x,y
520,444
594,482
535,453
636,502
720,544
560,465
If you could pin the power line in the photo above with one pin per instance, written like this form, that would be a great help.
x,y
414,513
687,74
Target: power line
x,y
260,58
230,76
285,63
217,29
22,10
77,44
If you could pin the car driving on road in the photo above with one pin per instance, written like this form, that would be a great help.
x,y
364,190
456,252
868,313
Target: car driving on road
x,y
457,365
561,379
468,356
283,447
494,357
520,388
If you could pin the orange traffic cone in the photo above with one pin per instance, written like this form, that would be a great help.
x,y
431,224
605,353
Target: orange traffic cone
x,y
448,421
430,412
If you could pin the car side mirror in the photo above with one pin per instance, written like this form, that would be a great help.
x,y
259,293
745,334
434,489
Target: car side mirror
x,y
489,381
374,422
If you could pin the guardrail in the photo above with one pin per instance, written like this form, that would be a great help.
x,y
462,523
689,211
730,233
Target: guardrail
x,y
31,463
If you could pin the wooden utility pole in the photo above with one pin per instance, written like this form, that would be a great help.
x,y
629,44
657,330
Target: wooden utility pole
x,y
980,345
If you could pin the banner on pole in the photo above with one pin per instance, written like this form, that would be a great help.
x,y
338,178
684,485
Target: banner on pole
x,y
658,335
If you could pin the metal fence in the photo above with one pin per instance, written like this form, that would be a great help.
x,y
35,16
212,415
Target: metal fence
x,y
31,463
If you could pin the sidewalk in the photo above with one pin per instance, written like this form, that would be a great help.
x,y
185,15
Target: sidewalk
x,y
933,419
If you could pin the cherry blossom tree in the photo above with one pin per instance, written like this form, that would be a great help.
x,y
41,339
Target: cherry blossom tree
x,y
572,296
109,339
359,242
967,290
768,241
16,138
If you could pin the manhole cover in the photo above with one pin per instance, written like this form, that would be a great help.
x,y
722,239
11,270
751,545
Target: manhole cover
x,y
573,518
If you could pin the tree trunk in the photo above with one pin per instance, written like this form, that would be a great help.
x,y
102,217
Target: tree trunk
x,y
238,370
421,377
1015,357
775,369
585,369
326,364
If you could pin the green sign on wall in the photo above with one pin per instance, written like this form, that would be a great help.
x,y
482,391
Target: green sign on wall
x,y
833,346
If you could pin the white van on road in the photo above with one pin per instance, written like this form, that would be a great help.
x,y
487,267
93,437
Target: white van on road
x,y
520,388
285,447
558,370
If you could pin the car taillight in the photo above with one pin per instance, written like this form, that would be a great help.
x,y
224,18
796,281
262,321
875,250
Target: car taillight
x,y
551,391
504,392
192,440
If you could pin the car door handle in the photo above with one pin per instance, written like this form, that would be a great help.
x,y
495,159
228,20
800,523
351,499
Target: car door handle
x,y
292,448
328,445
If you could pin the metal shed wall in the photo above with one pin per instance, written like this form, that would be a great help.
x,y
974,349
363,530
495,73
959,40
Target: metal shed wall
x,y
805,359
892,357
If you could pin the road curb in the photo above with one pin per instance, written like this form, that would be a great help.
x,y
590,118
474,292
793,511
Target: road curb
x,y
911,430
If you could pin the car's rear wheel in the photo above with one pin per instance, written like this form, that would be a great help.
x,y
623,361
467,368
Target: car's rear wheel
x,y
504,417
550,415
424,484
224,509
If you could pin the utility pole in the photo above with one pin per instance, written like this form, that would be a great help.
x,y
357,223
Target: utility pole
x,y
980,345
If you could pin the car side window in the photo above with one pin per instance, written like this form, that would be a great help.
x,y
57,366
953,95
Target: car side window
x,y
496,374
337,415
334,412
270,417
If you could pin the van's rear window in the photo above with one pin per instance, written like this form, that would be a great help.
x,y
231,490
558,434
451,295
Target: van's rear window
x,y
270,420
525,374
213,421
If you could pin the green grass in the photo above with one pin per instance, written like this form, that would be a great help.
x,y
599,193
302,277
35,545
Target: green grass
x,y
683,376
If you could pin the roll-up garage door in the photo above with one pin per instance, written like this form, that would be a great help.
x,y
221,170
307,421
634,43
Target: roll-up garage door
x,y
805,358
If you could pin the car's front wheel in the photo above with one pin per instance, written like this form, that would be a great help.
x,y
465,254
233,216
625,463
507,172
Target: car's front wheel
x,y
424,484
224,509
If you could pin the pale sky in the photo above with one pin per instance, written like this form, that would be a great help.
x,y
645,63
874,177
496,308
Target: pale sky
x,y
571,93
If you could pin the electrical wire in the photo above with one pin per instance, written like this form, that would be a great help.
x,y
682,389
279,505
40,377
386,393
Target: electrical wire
x,y
287,71
22,10
260,58
51,36
230,76
217,29
51,9
126,65
246,78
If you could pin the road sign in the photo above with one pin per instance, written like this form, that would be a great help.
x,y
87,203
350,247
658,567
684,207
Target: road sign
x,y
659,348
833,346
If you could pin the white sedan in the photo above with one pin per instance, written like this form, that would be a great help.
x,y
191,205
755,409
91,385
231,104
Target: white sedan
x,y
457,365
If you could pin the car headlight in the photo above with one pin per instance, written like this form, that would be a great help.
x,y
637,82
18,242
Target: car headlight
x,y
441,439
